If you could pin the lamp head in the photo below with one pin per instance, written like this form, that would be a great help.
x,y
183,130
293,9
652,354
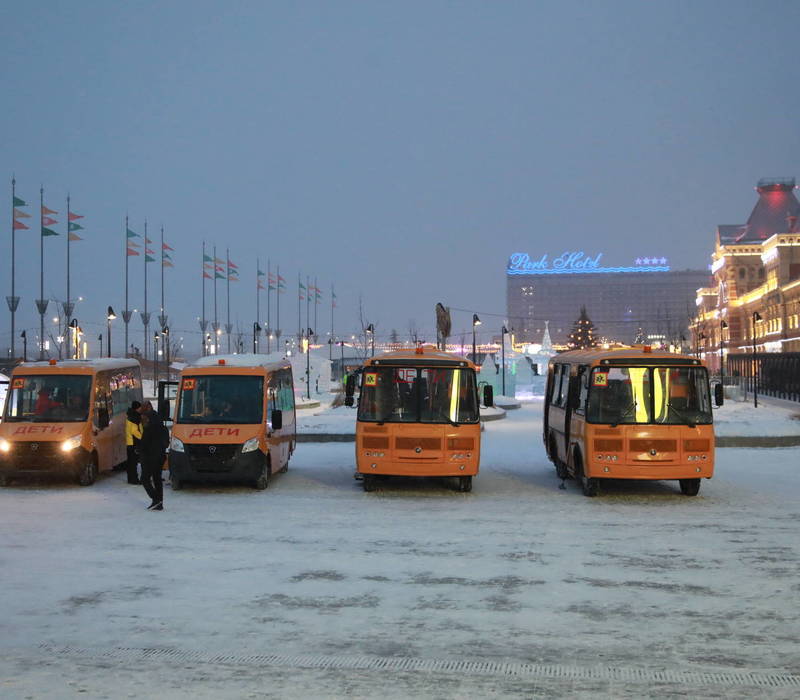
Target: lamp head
x,y
111,315
475,320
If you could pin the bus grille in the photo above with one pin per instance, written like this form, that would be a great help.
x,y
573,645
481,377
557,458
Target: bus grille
x,y
426,443
645,445
35,455
375,443
607,445
212,458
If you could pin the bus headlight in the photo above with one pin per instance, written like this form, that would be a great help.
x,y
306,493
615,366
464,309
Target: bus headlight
x,y
71,444
176,445
251,445
5,446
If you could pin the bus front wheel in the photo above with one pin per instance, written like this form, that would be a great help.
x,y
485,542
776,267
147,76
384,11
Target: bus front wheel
x,y
263,481
589,485
690,487
88,474
465,484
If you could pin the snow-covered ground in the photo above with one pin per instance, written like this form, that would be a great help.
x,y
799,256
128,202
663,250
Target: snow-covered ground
x,y
738,418
314,588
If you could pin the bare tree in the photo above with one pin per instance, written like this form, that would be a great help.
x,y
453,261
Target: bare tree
x,y
413,332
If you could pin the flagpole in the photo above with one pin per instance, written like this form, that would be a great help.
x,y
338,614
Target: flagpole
x,y
126,315
203,324
277,307
228,327
316,306
299,311
258,298
41,303
215,327
67,305
308,305
269,299
163,307
145,315
332,336
12,300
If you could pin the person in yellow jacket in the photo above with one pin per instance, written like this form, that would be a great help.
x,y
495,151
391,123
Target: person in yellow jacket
x,y
133,433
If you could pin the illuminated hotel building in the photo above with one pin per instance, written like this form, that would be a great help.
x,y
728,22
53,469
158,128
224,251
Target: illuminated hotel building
x,y
754,297
638,299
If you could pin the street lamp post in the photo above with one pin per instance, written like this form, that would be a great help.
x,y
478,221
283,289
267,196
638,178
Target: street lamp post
x,y
475,322
756,317
341,369
110,316
700,336
24,337
722,326
165,346
503,333
370,331
155,361
256,331
309,333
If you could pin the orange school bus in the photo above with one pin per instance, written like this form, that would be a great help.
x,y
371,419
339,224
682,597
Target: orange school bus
x,y
418,415
629,414
234,420
67,417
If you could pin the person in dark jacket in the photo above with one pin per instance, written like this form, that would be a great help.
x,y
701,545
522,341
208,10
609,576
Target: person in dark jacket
x,y
133,433
151,454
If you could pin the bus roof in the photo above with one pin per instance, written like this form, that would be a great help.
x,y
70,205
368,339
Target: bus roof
x,y
83,366
637,355
241,361
425,356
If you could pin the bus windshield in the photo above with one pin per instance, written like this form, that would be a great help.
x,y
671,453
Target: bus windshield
x,y
418,395
51,398
221,399
661,395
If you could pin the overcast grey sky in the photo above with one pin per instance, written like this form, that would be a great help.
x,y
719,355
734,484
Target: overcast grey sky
x,y
399,150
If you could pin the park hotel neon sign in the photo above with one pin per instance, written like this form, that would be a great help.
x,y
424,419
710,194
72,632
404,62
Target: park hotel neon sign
x,y
575,263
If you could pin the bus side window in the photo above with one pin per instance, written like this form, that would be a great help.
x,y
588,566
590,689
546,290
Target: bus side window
x,y
583,378
102,395
555,397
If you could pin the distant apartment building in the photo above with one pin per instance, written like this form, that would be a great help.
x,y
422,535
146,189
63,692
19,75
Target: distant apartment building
x,y
627,300
754,298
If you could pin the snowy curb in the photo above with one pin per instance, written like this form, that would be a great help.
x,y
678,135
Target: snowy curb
x,y
325,437
492,413
758,440
300,405
507,403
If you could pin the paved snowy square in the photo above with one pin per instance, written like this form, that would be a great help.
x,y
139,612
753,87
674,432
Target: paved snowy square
x,y
314,588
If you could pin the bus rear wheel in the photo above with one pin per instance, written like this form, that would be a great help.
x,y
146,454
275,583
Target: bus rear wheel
x,y
465,484
368,482
690,487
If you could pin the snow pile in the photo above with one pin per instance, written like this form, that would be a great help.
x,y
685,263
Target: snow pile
x,y
738,419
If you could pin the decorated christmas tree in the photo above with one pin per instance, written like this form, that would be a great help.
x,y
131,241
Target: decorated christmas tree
x,y
583,332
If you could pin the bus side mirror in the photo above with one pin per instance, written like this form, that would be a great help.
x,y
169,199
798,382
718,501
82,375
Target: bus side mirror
x,y
349,389
163,409
276,419
488,396
719,394
102,418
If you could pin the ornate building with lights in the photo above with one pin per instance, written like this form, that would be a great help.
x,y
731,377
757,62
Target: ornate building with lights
x,y
638,300
753,303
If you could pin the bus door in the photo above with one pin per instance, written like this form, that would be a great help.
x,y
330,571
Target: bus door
x,y
167,395
573,425
102,430
3,394
548,393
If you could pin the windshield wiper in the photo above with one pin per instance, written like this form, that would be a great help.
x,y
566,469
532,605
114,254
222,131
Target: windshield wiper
x,y
628,412
681,416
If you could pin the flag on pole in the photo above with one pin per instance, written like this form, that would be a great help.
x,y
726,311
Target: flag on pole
x,y
48,221
49,232
74,217
148,258
131,252
75,227
19,202
148,251
46,211
207,276
166,246
207,258
74,237
218,276
132,234
19,214
19,226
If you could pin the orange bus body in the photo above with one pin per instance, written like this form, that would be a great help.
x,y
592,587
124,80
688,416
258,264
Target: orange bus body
x,y
67,417
401,445
627,442
211,447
